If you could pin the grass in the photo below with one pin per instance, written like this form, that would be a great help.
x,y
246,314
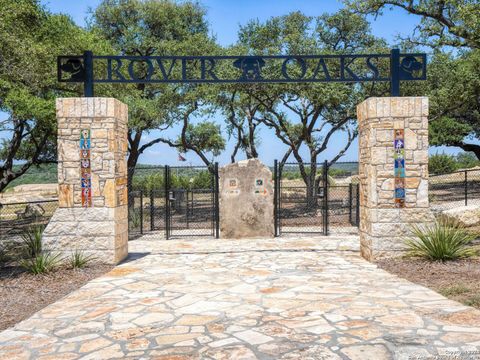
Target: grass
x,y
444,240
41,264
473,301
454,290
32,240
79,260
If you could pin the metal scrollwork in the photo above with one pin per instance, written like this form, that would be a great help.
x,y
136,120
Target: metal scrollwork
x,y
243,69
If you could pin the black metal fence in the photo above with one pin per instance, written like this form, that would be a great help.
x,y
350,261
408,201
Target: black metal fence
x,y
316,198
454,189
18,217
177,201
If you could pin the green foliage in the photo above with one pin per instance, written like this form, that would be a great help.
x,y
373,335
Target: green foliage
x,y
457,289
79,260
453,76
30,40
32,240
4,255
444,163
443,240
42,174
473,301
157,27
41,264
467,160
135,218
441,164
453,23
192,179
206,136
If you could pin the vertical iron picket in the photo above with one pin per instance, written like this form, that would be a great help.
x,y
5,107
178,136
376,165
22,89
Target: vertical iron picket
x,y
217,206
166,181
325,197
275,195
141,212
350,203
357,205
152,211
466,188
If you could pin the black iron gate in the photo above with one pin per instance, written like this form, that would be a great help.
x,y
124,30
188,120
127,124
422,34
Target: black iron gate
x,y
316,198
178,201
192,208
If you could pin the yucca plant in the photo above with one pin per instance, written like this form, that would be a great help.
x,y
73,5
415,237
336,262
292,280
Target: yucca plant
x,y
444,240
41,264
78,259
32,240
135,218
4,256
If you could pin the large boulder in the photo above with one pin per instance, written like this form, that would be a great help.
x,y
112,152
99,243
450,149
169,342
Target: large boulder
x,y
468,216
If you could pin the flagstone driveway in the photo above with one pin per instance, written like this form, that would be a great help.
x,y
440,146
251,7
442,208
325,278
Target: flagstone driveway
x,y
247,299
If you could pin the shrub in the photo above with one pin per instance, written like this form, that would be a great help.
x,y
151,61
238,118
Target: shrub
x,y
41,264
442,164
4,256
443,240
32,240
135,218
79,260
467,160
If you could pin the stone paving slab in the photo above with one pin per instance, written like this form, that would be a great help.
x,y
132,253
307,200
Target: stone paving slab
x,y
268,300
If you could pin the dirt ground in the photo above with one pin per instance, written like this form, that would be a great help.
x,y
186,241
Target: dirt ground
x,y
22,294
458,280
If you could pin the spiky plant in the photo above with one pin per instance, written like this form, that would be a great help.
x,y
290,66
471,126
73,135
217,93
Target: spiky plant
x,y
79,260
32,240
444,240
41,264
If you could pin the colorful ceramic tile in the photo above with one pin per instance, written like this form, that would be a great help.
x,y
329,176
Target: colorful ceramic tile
x,y
84,154
399,154
399,167
400,193
399,144
86,197
399,203
85,139
85,168
400,172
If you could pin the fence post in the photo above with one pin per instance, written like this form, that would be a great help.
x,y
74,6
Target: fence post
x,y
466,188
325,197
275,195
166,180
152,211
141,211
357,206
350,203
217,203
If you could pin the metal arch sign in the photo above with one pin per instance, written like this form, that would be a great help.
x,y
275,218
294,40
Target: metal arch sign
x,y
392,67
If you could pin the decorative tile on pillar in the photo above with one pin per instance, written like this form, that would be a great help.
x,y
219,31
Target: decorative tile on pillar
x,y
85,166
399,161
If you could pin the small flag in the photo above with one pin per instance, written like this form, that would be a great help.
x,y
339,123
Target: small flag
x,y
181,158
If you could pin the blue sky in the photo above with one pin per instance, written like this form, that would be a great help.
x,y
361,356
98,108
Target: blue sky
x,y
224,17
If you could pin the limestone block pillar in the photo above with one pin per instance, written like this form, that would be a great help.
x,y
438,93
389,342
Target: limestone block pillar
x,y
385,221
246,200
92,144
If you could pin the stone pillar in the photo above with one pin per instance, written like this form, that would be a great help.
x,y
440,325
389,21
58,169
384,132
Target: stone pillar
x,y
246,200
385,222
96,225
